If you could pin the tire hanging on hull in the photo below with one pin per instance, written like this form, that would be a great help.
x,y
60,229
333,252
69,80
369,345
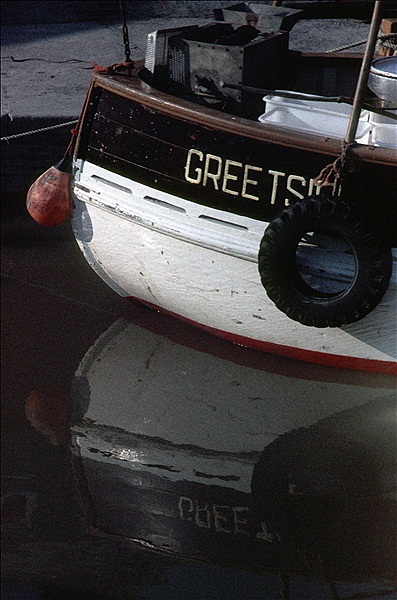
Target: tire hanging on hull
x,y
281,274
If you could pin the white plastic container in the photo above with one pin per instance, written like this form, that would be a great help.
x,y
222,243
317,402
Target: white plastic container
x,y
384,130
328,119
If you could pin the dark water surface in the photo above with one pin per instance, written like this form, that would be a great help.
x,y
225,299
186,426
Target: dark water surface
x,y
144,459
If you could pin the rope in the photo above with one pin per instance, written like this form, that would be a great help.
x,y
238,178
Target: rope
x,y
347,46
388,40
56,62
34,131
334,172
385,40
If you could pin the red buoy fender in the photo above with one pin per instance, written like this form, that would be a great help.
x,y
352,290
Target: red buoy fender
x,y
48,200
48,410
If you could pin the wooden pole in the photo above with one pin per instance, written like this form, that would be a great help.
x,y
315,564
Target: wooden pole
x,y
364,73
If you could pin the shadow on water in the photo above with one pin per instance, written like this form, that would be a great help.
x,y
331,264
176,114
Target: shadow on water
x,y
144,459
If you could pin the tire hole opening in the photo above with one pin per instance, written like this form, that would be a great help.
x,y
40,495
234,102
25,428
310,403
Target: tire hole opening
x,y
326,264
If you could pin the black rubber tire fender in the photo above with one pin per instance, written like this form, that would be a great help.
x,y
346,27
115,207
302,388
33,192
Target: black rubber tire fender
x,y
278,267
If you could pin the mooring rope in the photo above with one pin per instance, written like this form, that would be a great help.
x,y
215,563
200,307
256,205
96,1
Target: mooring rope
x,y
347,46
385,40
34,131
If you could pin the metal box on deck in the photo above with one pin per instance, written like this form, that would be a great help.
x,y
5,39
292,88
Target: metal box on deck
x,y
262,63
265,18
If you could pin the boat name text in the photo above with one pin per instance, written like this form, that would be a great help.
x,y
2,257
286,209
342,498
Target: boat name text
x,y
221,518
239,179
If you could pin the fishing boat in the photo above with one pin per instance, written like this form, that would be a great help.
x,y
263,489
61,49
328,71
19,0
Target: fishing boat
x,y
244,187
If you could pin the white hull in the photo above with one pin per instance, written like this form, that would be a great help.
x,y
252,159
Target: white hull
x,y
200,264
180,398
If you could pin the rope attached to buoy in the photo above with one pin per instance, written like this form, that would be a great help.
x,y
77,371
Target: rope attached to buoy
x,y
48,200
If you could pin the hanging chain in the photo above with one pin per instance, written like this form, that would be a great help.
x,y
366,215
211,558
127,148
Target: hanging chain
x,y
125,33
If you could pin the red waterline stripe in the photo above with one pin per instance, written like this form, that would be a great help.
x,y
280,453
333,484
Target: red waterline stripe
x,y
383,367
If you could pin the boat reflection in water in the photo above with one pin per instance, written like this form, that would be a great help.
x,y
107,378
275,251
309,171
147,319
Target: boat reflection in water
x,y
262,466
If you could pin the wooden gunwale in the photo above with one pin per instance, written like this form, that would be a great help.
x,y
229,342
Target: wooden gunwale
x,y
134,88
